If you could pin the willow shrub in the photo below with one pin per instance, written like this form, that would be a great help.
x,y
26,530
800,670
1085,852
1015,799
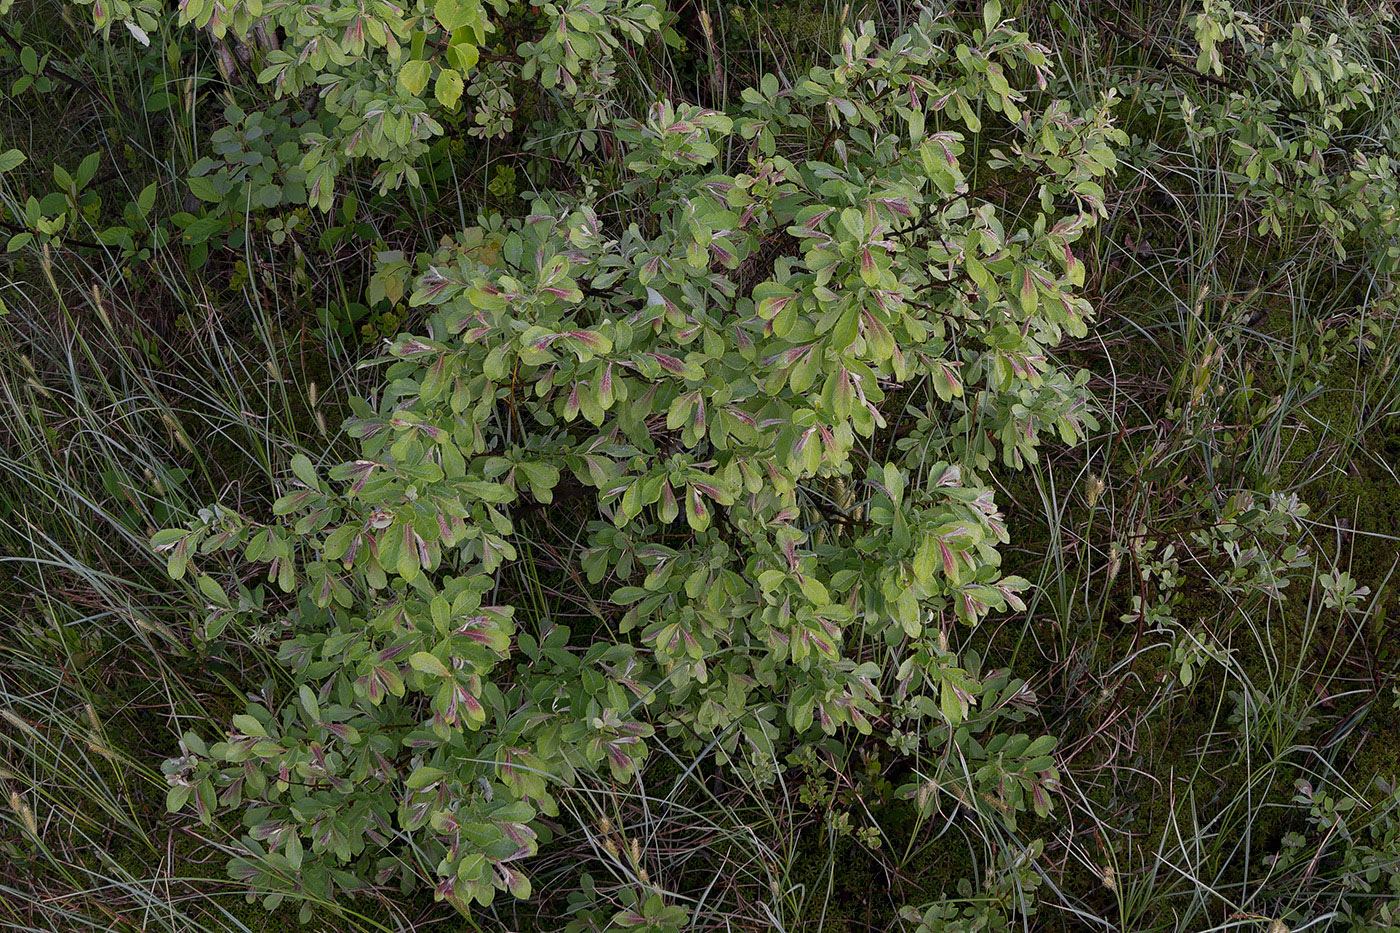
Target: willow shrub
x,y
387,76
330,95
777,365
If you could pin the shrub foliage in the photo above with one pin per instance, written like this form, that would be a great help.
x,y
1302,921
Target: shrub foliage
x,y
694,455
774,367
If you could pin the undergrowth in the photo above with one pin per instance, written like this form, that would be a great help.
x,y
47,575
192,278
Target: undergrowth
x,y
910,468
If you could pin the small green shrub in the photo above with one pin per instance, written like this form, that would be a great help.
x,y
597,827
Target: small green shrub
x,y
372,66
324,87
719,378
1282,119
729,542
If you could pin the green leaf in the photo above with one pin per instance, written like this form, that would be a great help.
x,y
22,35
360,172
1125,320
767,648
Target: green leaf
x,y
697,510
10,160
248,725
204,228
88,168
463,56
202,187
844,334
1029,298
448,88
414,76
424,776
969,118
178,560
302,467
294,851
146,199
991,14
951,704
454,14
308,702
542,478
211,589
428,663
177,797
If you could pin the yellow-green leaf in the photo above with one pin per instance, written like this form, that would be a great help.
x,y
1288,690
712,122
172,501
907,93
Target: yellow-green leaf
x,y
414,77
463,55
428,663
448,88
